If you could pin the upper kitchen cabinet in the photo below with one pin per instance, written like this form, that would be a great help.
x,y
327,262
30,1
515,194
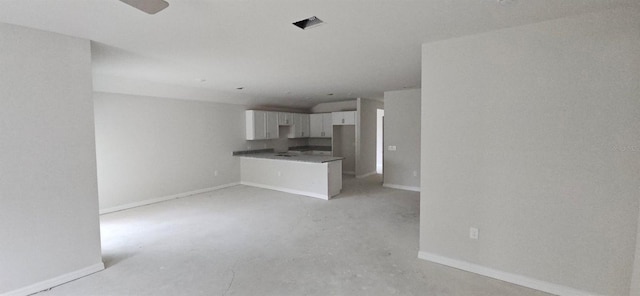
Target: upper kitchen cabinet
x,y
261,125
315,125
285,118
320,125
272,125
344,118
300,128
327,125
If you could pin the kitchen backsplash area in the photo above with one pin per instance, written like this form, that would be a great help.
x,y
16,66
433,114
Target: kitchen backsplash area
x,y
275,144
320,142
283,144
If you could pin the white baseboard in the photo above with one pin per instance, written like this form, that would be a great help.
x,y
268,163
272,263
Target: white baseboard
x,y
403,187
161,199
56,281
366,175
287,190
504,276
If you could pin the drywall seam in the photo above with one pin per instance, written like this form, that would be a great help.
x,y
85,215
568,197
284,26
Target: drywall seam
x,y
287,190
56,281
504,276
164,198
403,187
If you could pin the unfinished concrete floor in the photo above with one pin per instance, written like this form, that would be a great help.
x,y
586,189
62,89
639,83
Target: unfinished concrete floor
x,y
250,241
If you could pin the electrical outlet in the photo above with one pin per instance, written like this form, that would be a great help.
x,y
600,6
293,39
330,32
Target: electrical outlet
x,y
279,174
415,173
392,148
473,233
215,173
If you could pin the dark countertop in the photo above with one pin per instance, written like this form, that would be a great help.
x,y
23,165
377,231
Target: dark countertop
x,y
293,157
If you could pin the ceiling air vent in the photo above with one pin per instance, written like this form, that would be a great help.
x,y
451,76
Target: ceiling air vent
x,y
308,23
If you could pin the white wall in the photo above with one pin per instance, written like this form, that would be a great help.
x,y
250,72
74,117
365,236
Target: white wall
x,y
344,144
531,135
349,105
149,148
49,229
366,131
297,177
402,129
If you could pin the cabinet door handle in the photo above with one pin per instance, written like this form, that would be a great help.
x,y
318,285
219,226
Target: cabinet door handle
x,y
343,120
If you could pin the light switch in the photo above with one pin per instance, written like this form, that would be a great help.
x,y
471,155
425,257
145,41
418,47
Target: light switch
x,y
392,148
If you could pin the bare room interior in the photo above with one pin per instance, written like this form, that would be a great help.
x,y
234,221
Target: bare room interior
x,y
210,147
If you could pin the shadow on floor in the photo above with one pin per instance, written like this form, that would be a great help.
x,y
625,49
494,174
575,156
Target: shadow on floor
x,y
113,259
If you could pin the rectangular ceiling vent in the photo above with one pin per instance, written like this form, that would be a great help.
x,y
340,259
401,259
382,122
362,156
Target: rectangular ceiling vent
x,y
308,23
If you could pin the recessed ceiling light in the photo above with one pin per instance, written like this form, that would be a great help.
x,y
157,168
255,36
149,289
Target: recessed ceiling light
x,y
202,80
240,88
329,94
308,23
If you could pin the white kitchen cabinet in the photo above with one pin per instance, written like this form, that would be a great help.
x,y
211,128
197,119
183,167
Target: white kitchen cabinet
x,y
300,128
320,125
256,125
285,118
304,125
261,125
272,125
327,125
315,125
344,118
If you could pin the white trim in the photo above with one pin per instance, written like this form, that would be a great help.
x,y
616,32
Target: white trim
x,y
504,276
287,190
56,281
366,175
403,187
164,198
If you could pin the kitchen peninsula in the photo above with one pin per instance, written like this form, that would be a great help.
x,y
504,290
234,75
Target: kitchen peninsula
x,y
317,176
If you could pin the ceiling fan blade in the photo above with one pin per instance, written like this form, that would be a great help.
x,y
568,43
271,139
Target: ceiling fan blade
x,y
148,6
